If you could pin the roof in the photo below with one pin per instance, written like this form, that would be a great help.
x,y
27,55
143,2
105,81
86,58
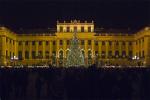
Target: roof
x,y
37,31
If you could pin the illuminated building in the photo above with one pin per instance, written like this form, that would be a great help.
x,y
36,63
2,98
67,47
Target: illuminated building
x,y
98,45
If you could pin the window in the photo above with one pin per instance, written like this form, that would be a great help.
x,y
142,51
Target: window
x,y
13,42
20,43
40,54
103,43
130,43
61,29
123,53
6,39
40,42
89,42
47,43
117,43
116,53
110,53
139,53
20,55
123,43
110,43
47,54
130,53
10,54
89,29
82,29
68,29
26,43
61,42
6,53
96,43
82,42
26,54
75,29
33,55
103,54
54,43
143,53
68,42
33,42
96,53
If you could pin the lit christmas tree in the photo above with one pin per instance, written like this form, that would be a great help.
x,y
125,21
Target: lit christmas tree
x,y
75,57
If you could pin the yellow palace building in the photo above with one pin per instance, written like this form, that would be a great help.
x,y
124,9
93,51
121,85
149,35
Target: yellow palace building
x,y
51,46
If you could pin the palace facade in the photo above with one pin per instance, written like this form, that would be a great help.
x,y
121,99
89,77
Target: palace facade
x,y
50,46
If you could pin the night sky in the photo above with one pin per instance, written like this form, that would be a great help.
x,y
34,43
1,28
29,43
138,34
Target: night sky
x,y
44,14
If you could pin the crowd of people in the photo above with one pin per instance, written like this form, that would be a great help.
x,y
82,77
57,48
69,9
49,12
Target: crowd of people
x,y
74,83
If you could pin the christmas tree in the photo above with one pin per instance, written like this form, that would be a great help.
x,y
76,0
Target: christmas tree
x,y
75,57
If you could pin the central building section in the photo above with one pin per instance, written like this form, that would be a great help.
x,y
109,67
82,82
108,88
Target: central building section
x,y
67,33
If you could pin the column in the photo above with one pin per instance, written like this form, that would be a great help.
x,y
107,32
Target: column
x,y
50,51
30,50
106,49
120,49
64,47
86,51
127,49
16,48
43,51
57,52
93,51
146,53
23,49
99,48
36,48
113,48
141,48
4,50
134,48
64,53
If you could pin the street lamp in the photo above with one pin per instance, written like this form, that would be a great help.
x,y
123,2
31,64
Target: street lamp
x,y
136,58
14,58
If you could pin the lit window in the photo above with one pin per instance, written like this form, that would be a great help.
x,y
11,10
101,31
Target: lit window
x,y
96,43
33,42
26,43
40,42
61,42
68,42
82,29
89,29
61,29
89,42
47,43
75,29
82,42
103,43
68,29
20,43
54,43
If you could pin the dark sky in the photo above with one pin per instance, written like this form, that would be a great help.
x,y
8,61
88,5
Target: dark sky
x,y
43,14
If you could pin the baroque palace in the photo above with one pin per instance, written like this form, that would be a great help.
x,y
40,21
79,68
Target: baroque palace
x,y
50,46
